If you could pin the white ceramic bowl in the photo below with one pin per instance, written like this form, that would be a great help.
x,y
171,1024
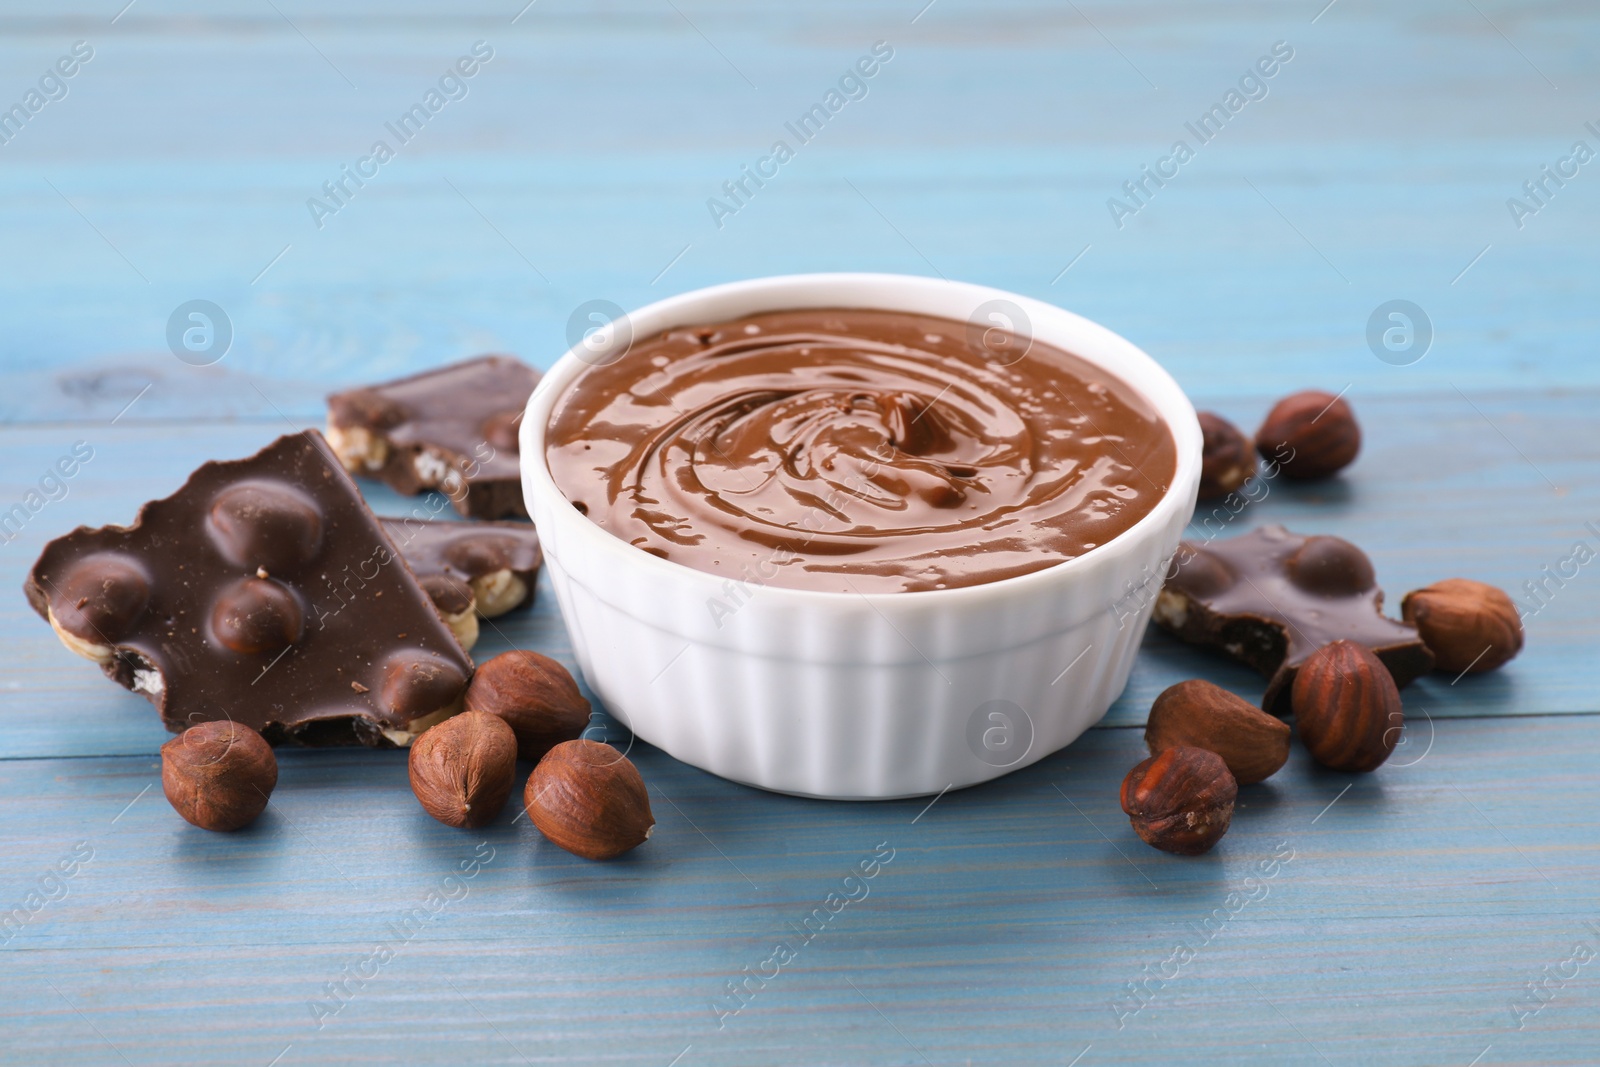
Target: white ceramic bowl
x,y
859,696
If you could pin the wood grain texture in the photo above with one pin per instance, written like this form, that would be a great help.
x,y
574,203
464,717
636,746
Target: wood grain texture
x,y
1008,923
1380,161
1417,907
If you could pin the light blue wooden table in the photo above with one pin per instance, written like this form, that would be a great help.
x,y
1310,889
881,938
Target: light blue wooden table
x,y
1441,911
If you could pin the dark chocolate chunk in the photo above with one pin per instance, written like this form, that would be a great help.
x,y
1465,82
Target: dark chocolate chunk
x,y
488,568
453,429
255,615
102,597
1270,598
450,595
262,591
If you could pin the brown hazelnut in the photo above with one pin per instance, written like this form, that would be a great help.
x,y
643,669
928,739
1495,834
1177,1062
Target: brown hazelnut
x,y
463,769
1180,800
1228,458
1347,707
1196,713
218,775
535,695
1467,625
589,799
1309,435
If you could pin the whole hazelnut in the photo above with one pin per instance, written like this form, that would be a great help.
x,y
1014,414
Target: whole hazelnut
x,y
1196,713
1467,625
535,695
1347,707
1228,459
1309,435
1180,800
589,799
218,775
463,769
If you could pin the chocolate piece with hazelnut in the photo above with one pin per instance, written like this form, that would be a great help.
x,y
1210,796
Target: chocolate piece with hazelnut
x,y
471,569
1270,598
452,428
269,567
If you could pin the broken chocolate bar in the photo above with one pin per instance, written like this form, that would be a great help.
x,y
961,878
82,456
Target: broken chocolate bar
x,y
453,429
262,591
1270,598
470,568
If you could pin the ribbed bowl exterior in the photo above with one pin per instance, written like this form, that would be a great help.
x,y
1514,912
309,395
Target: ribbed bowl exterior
x,y
859,696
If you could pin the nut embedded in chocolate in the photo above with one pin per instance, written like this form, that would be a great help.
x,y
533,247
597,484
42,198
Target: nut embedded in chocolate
x,y
456,605
1330,567
99,602
1270,598
1227,458
264,591
1470,627
267,526
470,568
256,615
415,683
218,775
1310,435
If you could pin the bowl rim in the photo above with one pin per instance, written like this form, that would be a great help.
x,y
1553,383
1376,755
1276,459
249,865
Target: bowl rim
x,y
788,291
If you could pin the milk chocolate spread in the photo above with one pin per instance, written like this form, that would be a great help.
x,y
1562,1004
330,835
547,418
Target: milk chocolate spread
x,y
857,451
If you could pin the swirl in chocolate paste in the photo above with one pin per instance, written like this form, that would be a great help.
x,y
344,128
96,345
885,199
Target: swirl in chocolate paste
x,y
856,451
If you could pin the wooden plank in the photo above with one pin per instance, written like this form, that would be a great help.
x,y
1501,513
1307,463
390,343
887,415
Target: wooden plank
x,y
1260,264
1418,903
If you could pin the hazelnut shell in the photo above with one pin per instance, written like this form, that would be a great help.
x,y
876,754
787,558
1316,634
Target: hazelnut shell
x,y
1196,713
218,775
588,798
1181,800
1310,435
1347,707
1228,457
1467,625
463,769
535,695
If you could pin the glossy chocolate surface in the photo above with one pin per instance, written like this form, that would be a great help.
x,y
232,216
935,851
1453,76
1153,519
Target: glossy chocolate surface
x,y
262,591
1270,598
857,451
453,429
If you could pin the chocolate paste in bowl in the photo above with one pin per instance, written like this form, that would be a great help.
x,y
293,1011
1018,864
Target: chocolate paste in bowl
x,y
857,451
